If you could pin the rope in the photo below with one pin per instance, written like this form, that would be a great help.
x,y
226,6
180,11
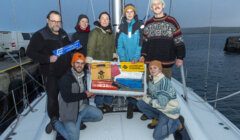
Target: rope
x,y
94,18
220,99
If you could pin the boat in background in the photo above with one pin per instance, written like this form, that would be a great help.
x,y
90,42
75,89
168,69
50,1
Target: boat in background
x,y
232,44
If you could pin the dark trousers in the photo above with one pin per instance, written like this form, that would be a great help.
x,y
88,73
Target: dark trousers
x,y
52,96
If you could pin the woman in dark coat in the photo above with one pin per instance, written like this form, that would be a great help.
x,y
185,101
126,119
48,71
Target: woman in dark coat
x,y
82,30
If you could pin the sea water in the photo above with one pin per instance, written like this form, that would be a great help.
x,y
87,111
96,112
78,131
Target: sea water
x,y
207,65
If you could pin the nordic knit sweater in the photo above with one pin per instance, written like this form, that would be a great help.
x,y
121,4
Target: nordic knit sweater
x,y
162,96
163,40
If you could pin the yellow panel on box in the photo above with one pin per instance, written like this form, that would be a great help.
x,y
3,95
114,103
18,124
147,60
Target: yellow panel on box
x,y
132,67
101,71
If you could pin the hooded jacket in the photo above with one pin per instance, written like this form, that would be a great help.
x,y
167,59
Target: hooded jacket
x,y
129,40
101,44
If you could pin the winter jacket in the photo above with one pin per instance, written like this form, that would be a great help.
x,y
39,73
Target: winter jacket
x,y
101,45
82,36
162,96
40,48
129,40
163,40
71,97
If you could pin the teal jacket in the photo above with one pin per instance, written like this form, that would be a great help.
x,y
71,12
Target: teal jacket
x,y
129,40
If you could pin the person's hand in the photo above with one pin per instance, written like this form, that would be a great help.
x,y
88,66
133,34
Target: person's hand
x,y
89,59
142,59
133,61
53,58
89,94
179,62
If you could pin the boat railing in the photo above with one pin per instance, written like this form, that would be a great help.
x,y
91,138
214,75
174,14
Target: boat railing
x,y
19,101
214,101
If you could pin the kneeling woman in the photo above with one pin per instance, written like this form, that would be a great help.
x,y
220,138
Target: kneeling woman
x,y
161,102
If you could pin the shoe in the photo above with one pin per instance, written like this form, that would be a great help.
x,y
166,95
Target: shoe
x,y
181,126
153,124
101,108
107,108
143,117
83,126
130,111
50,126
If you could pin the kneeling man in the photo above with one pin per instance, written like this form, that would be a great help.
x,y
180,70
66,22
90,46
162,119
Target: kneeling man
x,y
73,92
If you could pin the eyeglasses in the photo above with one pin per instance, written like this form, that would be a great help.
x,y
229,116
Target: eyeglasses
x,y
56,22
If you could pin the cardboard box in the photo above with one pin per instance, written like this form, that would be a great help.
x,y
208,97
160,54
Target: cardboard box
x,y
132,67
101,71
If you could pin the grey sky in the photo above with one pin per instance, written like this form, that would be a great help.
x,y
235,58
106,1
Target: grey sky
x,y
30,15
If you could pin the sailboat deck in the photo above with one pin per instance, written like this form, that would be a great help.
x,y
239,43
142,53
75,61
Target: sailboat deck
x,y
202,122
114,126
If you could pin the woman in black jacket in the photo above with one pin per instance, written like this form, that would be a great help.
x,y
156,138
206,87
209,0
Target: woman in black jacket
x,y
82,30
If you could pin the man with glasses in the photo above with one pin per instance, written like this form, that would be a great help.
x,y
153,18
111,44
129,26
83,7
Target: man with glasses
x,y
52,67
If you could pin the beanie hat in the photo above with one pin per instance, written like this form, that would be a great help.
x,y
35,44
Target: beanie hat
x,y
162,1
81,17
156,63
129,6
76,56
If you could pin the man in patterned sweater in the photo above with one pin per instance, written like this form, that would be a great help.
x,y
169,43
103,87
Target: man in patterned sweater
x,y
163,39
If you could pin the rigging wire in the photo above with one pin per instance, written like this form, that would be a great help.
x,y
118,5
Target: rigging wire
x,y
170,8
209,47
94,18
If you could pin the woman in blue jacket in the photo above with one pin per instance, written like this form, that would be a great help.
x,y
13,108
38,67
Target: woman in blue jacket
x,y
129,44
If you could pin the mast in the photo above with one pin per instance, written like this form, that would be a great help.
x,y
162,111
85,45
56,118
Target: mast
x,y
116,14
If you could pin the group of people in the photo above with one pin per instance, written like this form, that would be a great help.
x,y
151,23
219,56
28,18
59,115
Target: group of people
x,y
158,43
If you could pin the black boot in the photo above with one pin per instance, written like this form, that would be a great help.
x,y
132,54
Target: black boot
x,y
107,108
49,128
130,111
50,125
83,126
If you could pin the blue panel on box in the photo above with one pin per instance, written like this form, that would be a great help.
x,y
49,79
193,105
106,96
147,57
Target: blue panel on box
x,y
130,83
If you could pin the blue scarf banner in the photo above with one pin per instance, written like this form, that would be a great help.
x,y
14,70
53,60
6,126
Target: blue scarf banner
x,y
67,48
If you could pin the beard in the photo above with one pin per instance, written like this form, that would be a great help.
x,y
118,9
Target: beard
x,y
55,28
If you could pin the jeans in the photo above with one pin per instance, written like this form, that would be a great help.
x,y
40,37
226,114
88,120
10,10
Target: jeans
x,y
70,130
132,101
103,99
165,126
